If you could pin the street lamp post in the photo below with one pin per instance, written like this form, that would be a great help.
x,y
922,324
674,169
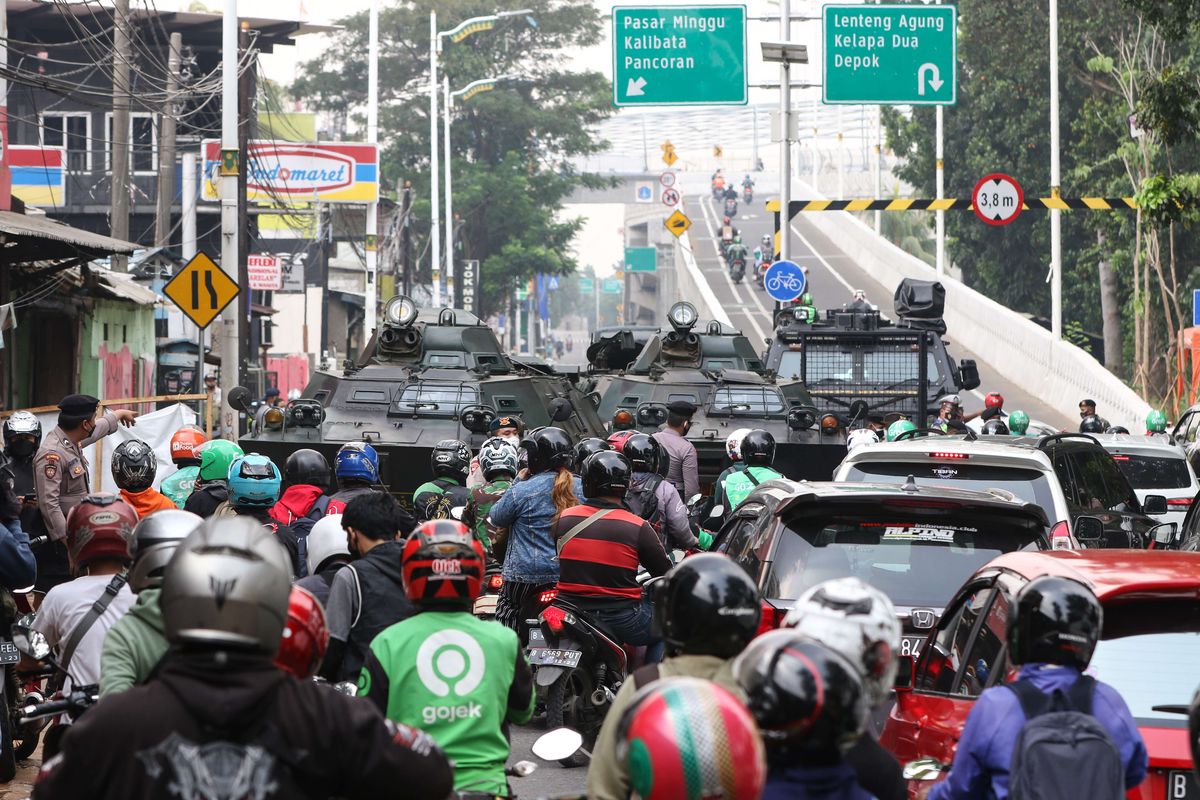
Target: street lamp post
x,y
785,54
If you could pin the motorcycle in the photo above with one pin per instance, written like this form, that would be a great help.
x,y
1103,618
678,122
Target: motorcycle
x,y
730,207
22,725
761,276
737,270
747,195
485,604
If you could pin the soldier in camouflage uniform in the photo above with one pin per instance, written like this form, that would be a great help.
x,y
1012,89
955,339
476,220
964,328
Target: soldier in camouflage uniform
x,y
498,461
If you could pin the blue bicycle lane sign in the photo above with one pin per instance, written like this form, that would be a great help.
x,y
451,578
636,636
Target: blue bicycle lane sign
x,y
785,281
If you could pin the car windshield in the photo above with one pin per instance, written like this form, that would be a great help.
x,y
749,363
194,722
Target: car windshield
x,y
1030,485
917,557
1154,472
745,400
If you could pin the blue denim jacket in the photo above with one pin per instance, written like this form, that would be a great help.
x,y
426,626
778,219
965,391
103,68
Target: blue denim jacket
x,y
18,567
527,510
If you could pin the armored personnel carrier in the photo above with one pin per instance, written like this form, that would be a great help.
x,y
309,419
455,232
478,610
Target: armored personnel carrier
x,y
854,361
717,369
427,376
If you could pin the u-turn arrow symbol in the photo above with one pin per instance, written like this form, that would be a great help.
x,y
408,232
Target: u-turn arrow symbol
x,y
935,78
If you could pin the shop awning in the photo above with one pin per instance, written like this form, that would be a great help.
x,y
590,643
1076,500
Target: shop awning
x,y
27,238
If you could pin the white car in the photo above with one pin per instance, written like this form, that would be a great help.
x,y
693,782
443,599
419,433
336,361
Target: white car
x,y
1154,465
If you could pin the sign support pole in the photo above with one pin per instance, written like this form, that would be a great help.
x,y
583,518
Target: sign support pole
x,y
230,327
188,248
941,192
371,290
1055,181
451,292
435,244
785,146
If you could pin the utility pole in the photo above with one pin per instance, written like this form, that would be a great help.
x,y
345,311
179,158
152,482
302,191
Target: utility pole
x,y
371,289
406,236
188,244
119,220
435,245
166,148
246,90
785,146
231,164
324,236
1055,184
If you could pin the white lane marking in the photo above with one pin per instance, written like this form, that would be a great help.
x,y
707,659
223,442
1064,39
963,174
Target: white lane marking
x,y
712,233
750,288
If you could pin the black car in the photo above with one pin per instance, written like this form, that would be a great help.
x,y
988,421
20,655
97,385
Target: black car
x,y
915,543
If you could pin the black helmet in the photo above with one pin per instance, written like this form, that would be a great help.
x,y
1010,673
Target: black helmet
x,y
1092,424
995,427
134,465
1118,429
758,448
707,605
306,467
1055,621
808,700
606,475
643,451
450,459
586,447
549,449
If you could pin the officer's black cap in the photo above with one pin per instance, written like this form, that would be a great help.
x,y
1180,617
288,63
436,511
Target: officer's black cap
x,y
507,421
684,408
79,405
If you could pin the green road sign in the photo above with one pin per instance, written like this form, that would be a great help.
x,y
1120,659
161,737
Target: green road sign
x,y
586,286
522,293
613,286
641,259
679,55
890,55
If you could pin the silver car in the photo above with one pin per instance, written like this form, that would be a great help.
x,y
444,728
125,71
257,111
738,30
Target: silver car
x,y
1153,465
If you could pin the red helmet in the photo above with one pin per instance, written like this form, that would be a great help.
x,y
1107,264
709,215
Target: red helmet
x,y
184,443
994,400
690,738
305,636
725,220
442,564
101,526
618,439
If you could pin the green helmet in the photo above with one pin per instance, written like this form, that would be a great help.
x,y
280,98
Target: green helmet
x,y
1156,422
806,299
898,427
737,238
215,458
1018,423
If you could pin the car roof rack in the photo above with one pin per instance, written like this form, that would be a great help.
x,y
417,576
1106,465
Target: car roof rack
x,y
1045,440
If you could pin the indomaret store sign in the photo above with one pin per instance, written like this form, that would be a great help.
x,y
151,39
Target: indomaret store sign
x,y
287,172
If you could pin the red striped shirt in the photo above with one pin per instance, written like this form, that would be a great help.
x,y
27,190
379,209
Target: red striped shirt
x,y
601,561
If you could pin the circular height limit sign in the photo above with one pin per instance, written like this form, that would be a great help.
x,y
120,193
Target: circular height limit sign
x,y
997,199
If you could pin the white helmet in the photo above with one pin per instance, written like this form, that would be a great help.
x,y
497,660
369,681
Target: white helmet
x,y
857,621
733,444
498,456
325,540
860,437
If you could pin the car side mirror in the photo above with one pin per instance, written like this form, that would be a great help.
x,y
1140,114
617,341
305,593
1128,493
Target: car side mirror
x,y
1154,504
1164,534
905,667
1089,529
968,374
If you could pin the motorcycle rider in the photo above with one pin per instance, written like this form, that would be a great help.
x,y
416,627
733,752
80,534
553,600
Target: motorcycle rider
x,y
994,427
806,309
499,462
184,445
708,609
809,704
1018,423
600,544
527,510
211,491
859,302
22,437
449,462
253,483
327,554
1093,424
900,426
356,466
733,449
443,568
136,642
305,499
134,467
737,251
765,252
758,454
1156,423
747,182
509,427
368,595
1053,626
651,497
219,713
857,621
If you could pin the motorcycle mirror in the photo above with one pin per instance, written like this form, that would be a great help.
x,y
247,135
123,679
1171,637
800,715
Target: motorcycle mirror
x,y
239,398
923,769
20,632
558,744
36,646
717,511
348,688
523,769
457,513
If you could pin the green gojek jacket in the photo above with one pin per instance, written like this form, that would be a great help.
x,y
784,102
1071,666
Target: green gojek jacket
x,y
178,485
738,486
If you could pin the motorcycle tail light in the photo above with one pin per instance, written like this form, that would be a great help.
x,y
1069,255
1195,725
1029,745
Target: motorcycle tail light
x,y
547,597
772,618
495,582
554,617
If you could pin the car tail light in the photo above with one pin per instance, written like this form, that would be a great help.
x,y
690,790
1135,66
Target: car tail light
x,y
772,618
554,617
495,582
1119,458
547,597
1060,536
950,456
1179,502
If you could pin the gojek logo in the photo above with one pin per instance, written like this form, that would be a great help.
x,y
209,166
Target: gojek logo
x,y
450,661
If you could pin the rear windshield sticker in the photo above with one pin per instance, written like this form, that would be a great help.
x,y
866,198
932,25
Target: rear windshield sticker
x,y
925,533
945,472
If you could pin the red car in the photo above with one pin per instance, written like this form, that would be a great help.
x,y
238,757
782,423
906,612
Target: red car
x,y
1148,652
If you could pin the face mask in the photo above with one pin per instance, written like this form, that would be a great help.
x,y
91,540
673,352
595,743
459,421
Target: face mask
x,y
21,448
514,440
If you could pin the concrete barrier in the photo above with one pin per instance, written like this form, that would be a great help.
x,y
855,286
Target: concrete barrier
x,y
1020,350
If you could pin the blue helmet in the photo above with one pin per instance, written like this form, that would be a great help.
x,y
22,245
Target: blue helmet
x,y
253,481
357,460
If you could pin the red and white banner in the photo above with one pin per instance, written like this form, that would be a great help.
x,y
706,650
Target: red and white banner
x,y
266,273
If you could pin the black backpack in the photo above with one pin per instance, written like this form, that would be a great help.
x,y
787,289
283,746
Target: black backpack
x,y
1063,752
642,500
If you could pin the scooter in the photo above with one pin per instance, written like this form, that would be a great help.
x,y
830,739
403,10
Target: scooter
x,y
24,720
737,270
730,207
485,604
747,195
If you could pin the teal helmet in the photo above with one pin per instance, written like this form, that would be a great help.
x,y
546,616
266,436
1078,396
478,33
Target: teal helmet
x,y
899,427
254,480
1018,423
1156,422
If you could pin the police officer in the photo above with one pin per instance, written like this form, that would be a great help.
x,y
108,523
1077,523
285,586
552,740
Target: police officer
x,y
684,469
60,468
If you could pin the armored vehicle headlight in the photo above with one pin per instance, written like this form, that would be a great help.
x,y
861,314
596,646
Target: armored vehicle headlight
x,y
400,310
273,419
683,315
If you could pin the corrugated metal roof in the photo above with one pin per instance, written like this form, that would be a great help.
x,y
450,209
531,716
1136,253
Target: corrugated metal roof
x,y
123,287
16,227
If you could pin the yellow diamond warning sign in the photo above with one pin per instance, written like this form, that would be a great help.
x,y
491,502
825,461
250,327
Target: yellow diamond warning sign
x,y
678,223
201,290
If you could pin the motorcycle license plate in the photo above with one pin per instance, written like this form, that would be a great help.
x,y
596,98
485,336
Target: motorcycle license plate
x,y
9,654
1181,785
552,657
486,604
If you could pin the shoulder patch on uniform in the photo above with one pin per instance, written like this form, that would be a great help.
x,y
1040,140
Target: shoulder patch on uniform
x,y
51,469
52,456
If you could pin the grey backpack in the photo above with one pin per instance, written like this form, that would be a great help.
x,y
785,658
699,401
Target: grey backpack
x,y
1063,752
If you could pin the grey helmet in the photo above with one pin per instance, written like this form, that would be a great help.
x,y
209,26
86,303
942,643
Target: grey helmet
x,y
498,457
22,422
326,539
154,540
227,586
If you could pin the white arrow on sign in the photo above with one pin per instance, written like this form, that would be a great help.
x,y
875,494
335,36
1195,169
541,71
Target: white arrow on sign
x,y
935,81
635,87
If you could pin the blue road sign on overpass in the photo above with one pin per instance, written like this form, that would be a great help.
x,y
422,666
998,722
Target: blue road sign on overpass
x,y
1195,307
785,281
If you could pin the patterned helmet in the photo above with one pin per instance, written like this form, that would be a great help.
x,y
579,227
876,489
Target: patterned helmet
x,y
498,457
253,480
442,564
134,465
22,422
101,526
305,636
688,739
216,457
733,444
357,461
184,444
450,459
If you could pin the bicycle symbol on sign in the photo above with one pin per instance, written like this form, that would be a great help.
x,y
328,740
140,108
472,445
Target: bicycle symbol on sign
x,y
785,281
788,283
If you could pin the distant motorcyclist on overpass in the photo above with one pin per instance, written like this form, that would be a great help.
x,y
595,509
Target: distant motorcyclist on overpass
x,y
736,250
859,302
747,182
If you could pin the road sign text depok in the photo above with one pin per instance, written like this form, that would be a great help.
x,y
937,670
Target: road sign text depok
x,y
890,54
679,55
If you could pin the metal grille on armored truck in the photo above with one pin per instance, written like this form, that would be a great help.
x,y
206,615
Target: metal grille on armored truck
x,y
890,371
